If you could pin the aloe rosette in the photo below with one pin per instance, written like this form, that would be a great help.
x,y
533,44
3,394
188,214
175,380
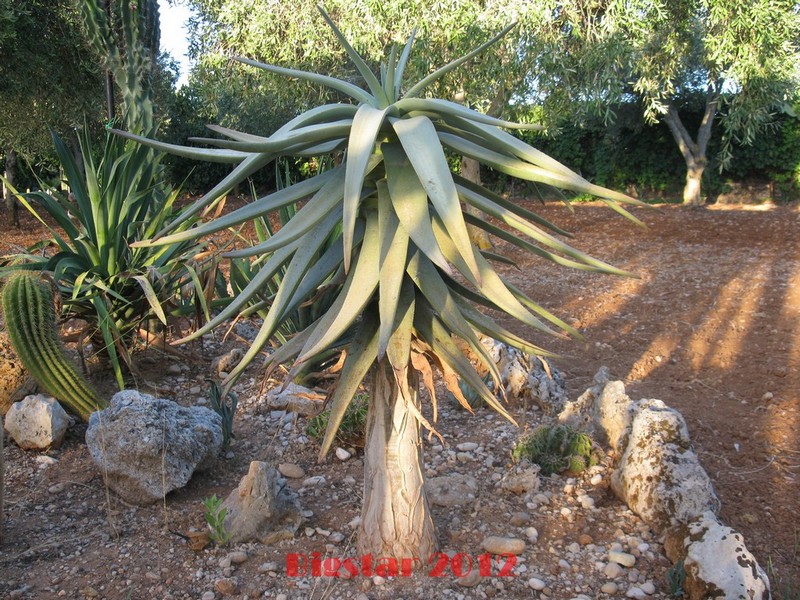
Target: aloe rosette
x,y
408,276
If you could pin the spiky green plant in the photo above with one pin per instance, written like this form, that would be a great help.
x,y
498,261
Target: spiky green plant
x,y
410,275
117,198
31,323
353,427
556,448
225,407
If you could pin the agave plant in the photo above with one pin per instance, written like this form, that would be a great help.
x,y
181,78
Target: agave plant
x,y
117,198
410,277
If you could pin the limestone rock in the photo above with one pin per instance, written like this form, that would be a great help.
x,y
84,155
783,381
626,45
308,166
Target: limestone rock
x,y
37,422
15,383
603,410
659,475
296,398
146,447
451,490
528,379
263,508
716,560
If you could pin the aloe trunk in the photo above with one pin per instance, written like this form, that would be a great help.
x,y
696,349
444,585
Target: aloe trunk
x,y
31,324
396,520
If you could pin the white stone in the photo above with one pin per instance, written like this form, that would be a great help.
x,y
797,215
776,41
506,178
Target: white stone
x,y
451,490
659,476
37,422
536,584
532,534
467,447
648,588
635,592
716,560
596,479
342,454
315,481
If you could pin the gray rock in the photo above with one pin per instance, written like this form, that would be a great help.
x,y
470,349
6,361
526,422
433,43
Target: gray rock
x,y
37,422
451,490
529,380
146,447
263,508
659,476
717,562
296,398
15,383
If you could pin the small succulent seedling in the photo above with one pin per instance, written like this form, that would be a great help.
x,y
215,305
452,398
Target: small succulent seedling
x,y
215,515
225,407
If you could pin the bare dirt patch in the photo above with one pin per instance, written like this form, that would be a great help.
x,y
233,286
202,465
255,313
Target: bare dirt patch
x,y
711,325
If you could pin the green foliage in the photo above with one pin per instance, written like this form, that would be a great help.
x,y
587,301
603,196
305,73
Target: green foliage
x,y
225,407
31,323
676,578
352,430
214,514
555,449
103,278
470,394
408,271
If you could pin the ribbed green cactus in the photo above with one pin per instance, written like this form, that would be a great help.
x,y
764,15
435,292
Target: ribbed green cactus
x,y
31,324
556,448
126,35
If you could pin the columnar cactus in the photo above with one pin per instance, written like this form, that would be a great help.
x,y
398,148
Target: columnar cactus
x,y
31,323
126,35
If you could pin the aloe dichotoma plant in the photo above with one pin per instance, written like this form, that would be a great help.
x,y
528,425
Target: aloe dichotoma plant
x,y
410,277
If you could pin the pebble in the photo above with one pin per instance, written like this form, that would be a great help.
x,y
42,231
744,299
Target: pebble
x,y
281,597
467,447
648,588
518,519
566,512
586,501
291,471
238,557
208,596
612,570
622,558
225,587
336,537
378,580
596,479
342,454
585,539
635,592
503,545
536,584
532,534
609,588
314,481
267,567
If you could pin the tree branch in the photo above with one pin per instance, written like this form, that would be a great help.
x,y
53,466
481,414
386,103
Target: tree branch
x,y
688,148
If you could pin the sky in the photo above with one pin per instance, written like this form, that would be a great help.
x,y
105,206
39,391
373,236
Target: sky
x,y
173,35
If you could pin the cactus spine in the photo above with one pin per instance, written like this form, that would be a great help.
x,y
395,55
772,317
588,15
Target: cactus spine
x,y
31,324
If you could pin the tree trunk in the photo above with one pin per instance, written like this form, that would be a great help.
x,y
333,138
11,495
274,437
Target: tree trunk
x,y
695,153
396,523
12,206
694,179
